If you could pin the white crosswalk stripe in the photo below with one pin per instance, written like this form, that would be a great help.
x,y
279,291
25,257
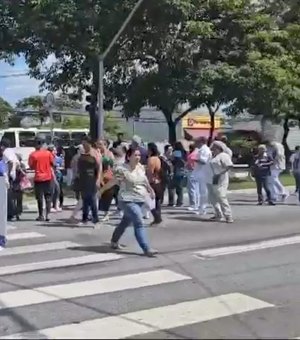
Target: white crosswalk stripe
x,y
138,319
23,236
37,248
244,248
61,263
151,320
86,288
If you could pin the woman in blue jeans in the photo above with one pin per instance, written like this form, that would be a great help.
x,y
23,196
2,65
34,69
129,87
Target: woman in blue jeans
x,y
134,188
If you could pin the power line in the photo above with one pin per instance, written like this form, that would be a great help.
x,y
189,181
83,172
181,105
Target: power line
x,y
13,75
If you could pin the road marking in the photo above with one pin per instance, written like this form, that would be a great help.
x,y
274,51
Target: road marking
x,y
37,248
66,262
151,320
222,251
28,297
23,236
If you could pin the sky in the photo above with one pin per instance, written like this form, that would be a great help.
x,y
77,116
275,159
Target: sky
x,y
14,88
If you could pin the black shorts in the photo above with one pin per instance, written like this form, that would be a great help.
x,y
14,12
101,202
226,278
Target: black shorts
x,y
42,189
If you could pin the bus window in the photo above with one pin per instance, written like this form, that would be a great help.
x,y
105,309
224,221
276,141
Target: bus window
x,y
77,137
62,135
44,136
11,138
26,139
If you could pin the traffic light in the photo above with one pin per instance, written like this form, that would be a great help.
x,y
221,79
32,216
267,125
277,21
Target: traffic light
x,y
91,108
91,99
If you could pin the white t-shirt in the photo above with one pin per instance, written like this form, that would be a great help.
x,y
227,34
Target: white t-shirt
x,y
9,156
217,165
279,156
229,152
203,158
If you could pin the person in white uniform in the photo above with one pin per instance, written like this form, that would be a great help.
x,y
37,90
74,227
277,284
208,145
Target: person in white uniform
x,y
276,151
200,173
218,181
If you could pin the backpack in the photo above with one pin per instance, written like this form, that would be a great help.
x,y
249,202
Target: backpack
x,y
166,170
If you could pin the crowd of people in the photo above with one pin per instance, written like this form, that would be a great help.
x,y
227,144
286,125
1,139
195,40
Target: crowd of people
x,y
138,178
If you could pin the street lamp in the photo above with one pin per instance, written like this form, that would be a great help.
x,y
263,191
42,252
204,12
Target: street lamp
x,y
101,69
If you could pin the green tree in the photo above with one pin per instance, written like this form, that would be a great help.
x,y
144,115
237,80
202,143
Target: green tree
x,y
269,83
197,62
33,102
5,111
53,27
110,126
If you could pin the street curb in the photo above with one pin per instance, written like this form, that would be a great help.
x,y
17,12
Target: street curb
x,y
253,190
32,204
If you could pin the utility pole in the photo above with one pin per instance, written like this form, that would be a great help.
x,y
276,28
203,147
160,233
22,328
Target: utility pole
x,y
102,57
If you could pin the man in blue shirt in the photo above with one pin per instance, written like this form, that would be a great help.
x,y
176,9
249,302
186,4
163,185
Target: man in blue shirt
x,y
262,172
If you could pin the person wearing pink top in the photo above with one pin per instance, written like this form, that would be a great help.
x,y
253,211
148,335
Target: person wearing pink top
x,y
192,181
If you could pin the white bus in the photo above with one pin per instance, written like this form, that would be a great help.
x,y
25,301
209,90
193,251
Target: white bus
x,y
20,137
22,140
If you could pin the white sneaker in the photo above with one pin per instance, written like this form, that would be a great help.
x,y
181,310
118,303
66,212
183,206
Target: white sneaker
x,y
82,224
96,225
147,215
285,196
105,218
201,212
192,209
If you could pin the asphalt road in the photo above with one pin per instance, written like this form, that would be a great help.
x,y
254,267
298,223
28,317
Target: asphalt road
x,y
210,280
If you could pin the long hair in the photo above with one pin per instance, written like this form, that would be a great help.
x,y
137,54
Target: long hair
x,y
153,150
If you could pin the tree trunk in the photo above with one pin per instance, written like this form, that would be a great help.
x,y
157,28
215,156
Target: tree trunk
x,y
93,124
287,150
212,114
172,131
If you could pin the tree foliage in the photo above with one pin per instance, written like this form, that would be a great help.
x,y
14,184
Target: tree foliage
x,y
5,111
239,53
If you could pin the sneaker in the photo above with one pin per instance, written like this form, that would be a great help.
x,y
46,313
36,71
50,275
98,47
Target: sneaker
x,y
216,219
260,203
284,197
147,215
105,218
72,220
192,209
82,224
156,224
272,203
150,252
58,209
53,210
229,220
116,246
96,225
40,219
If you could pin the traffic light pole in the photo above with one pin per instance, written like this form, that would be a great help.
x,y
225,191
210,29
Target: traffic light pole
x,y
102,57
101,112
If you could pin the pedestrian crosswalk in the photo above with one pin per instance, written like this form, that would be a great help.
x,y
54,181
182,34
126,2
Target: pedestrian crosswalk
x,y
146,321
136,320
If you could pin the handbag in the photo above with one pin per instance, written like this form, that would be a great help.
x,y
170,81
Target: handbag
x,y
25,183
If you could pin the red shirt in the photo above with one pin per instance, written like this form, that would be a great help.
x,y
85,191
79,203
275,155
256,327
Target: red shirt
x,y
41,161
